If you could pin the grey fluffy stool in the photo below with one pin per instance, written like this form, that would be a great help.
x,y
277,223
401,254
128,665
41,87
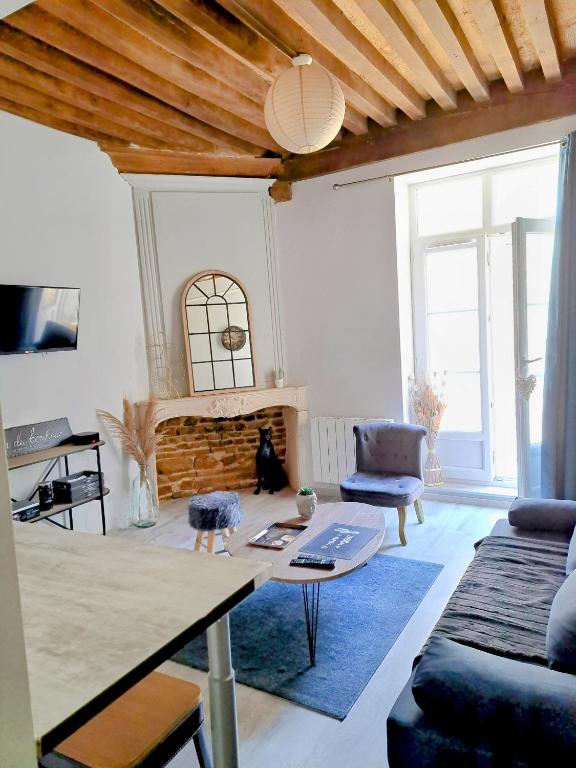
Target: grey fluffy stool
x,y
212,513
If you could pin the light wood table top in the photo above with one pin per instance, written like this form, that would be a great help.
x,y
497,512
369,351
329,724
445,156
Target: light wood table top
x,y
101,613
346,513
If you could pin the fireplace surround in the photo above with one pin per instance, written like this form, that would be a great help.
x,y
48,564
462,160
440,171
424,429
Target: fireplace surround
x,y
290,402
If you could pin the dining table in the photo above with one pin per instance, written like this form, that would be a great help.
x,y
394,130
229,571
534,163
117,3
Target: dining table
x,y
100,614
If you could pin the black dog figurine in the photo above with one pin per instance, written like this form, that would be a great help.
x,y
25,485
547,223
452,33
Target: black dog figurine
x,y
271,474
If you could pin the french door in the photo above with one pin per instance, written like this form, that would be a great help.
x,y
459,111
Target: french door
x,y
532,246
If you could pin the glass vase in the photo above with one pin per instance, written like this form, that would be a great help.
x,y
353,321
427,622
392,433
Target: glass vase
x,y
432,467
143,501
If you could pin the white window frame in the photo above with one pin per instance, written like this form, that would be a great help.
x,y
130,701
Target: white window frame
x,y
418,246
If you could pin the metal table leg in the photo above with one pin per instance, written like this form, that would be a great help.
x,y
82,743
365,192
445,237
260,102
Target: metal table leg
x,y
223,719
311,593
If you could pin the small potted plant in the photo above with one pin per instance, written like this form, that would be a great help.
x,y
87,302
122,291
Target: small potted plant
x,y
306,501
279,378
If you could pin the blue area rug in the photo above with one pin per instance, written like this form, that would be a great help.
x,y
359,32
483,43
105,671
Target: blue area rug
x,y
361,616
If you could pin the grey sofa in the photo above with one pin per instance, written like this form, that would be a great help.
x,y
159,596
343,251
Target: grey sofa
x,y
495,684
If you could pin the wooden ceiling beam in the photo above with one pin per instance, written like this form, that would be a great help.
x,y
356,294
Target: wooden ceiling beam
x,y
383,25
42,26
121,115
164,29
53,62
247,46
50,121
115,34
443,25
282,31
143,161
539,102
331,28
539,21
28,97
499,40
231,35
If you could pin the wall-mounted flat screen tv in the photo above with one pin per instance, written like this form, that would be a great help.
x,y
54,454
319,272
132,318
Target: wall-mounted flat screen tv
x,y
38,319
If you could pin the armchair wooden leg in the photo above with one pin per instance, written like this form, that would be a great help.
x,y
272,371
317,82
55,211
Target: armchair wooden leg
x,y
401,524
419,510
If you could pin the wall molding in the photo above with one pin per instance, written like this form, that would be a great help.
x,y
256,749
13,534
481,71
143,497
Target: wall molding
x,y
159,183
157,342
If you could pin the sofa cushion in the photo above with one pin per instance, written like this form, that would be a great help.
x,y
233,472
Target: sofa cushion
x,y
561,634
381,489
522,709
503,600
571,561
543,514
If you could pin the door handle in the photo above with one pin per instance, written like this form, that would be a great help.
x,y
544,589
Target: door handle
x,y
534,360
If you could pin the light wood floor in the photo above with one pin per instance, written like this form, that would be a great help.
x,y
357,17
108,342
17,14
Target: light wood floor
x,y
275,732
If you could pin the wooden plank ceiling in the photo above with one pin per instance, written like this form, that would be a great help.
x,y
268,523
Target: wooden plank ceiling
x,y
178,86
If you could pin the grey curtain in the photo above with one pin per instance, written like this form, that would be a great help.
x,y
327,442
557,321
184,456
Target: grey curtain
x,y
559,414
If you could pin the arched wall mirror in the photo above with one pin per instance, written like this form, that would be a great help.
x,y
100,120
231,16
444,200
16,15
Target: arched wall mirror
x,y
217,332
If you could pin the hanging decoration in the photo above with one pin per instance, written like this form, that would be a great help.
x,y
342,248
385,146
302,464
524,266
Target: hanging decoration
x,y
305,107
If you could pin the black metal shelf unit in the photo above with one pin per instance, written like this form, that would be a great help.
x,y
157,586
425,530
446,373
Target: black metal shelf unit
x,y
52,455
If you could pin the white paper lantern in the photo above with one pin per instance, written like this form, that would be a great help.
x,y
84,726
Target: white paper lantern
x,y
304,107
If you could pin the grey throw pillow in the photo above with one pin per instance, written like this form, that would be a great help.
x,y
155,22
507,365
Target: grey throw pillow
x,y
571,561
561,632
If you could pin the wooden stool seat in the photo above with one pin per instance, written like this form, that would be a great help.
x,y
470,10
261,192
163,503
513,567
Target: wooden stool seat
x,y
128,731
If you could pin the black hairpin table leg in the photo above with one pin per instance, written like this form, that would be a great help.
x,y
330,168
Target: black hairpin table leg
x,y
311,593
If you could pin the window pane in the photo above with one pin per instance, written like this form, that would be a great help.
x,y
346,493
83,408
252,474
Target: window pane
x,y
200,347
243,373
528,191
453,342
449,206
464,405
197,319
451,279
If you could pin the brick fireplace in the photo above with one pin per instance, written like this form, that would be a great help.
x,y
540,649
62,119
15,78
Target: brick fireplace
x,y
199,454
211,439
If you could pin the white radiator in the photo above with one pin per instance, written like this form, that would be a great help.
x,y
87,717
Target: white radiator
x,y
334,447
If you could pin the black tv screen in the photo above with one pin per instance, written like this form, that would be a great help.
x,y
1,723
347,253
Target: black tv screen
x,y
38,319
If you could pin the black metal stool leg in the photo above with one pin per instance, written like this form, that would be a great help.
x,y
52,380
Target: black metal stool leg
x,y
311,594
202,750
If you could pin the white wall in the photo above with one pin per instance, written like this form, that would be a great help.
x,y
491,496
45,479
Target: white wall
x,y
66,219
339,278
209,224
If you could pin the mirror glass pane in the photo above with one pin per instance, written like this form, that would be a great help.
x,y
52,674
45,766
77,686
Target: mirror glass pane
x,y
245,352
223,378
238,315
200,348
217,316
203,379
243,373
197,319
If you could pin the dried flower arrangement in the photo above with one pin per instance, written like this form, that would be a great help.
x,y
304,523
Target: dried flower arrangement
x,y
428,406
138,438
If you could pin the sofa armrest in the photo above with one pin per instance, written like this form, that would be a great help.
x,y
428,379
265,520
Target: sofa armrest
x,y
543,515
524,709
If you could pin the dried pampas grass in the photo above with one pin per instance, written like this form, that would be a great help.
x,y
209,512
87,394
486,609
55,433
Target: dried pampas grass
x,y
137,438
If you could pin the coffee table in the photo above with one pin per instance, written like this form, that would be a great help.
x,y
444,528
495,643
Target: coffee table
x,y
346,513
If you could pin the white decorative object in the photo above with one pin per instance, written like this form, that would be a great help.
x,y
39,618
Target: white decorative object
x,y
279,378
305,107
306,501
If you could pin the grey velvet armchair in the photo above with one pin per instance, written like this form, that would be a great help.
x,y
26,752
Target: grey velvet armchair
x,y
388,468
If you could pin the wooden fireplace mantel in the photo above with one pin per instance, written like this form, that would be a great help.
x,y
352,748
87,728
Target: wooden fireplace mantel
x,y
292,400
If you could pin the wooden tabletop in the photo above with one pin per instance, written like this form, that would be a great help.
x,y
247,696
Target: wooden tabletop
x,y
101,613
348,513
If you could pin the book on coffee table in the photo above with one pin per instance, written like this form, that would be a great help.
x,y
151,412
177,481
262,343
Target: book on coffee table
x,y
341,541
277,535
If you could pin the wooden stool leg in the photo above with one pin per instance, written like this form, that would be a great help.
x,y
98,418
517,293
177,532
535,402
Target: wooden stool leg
x,y
234,529
401,523
211,546
226,534
419,510
202,751
198,544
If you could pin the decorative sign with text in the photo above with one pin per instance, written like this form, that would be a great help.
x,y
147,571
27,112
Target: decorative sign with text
x,y
36,437
341,541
